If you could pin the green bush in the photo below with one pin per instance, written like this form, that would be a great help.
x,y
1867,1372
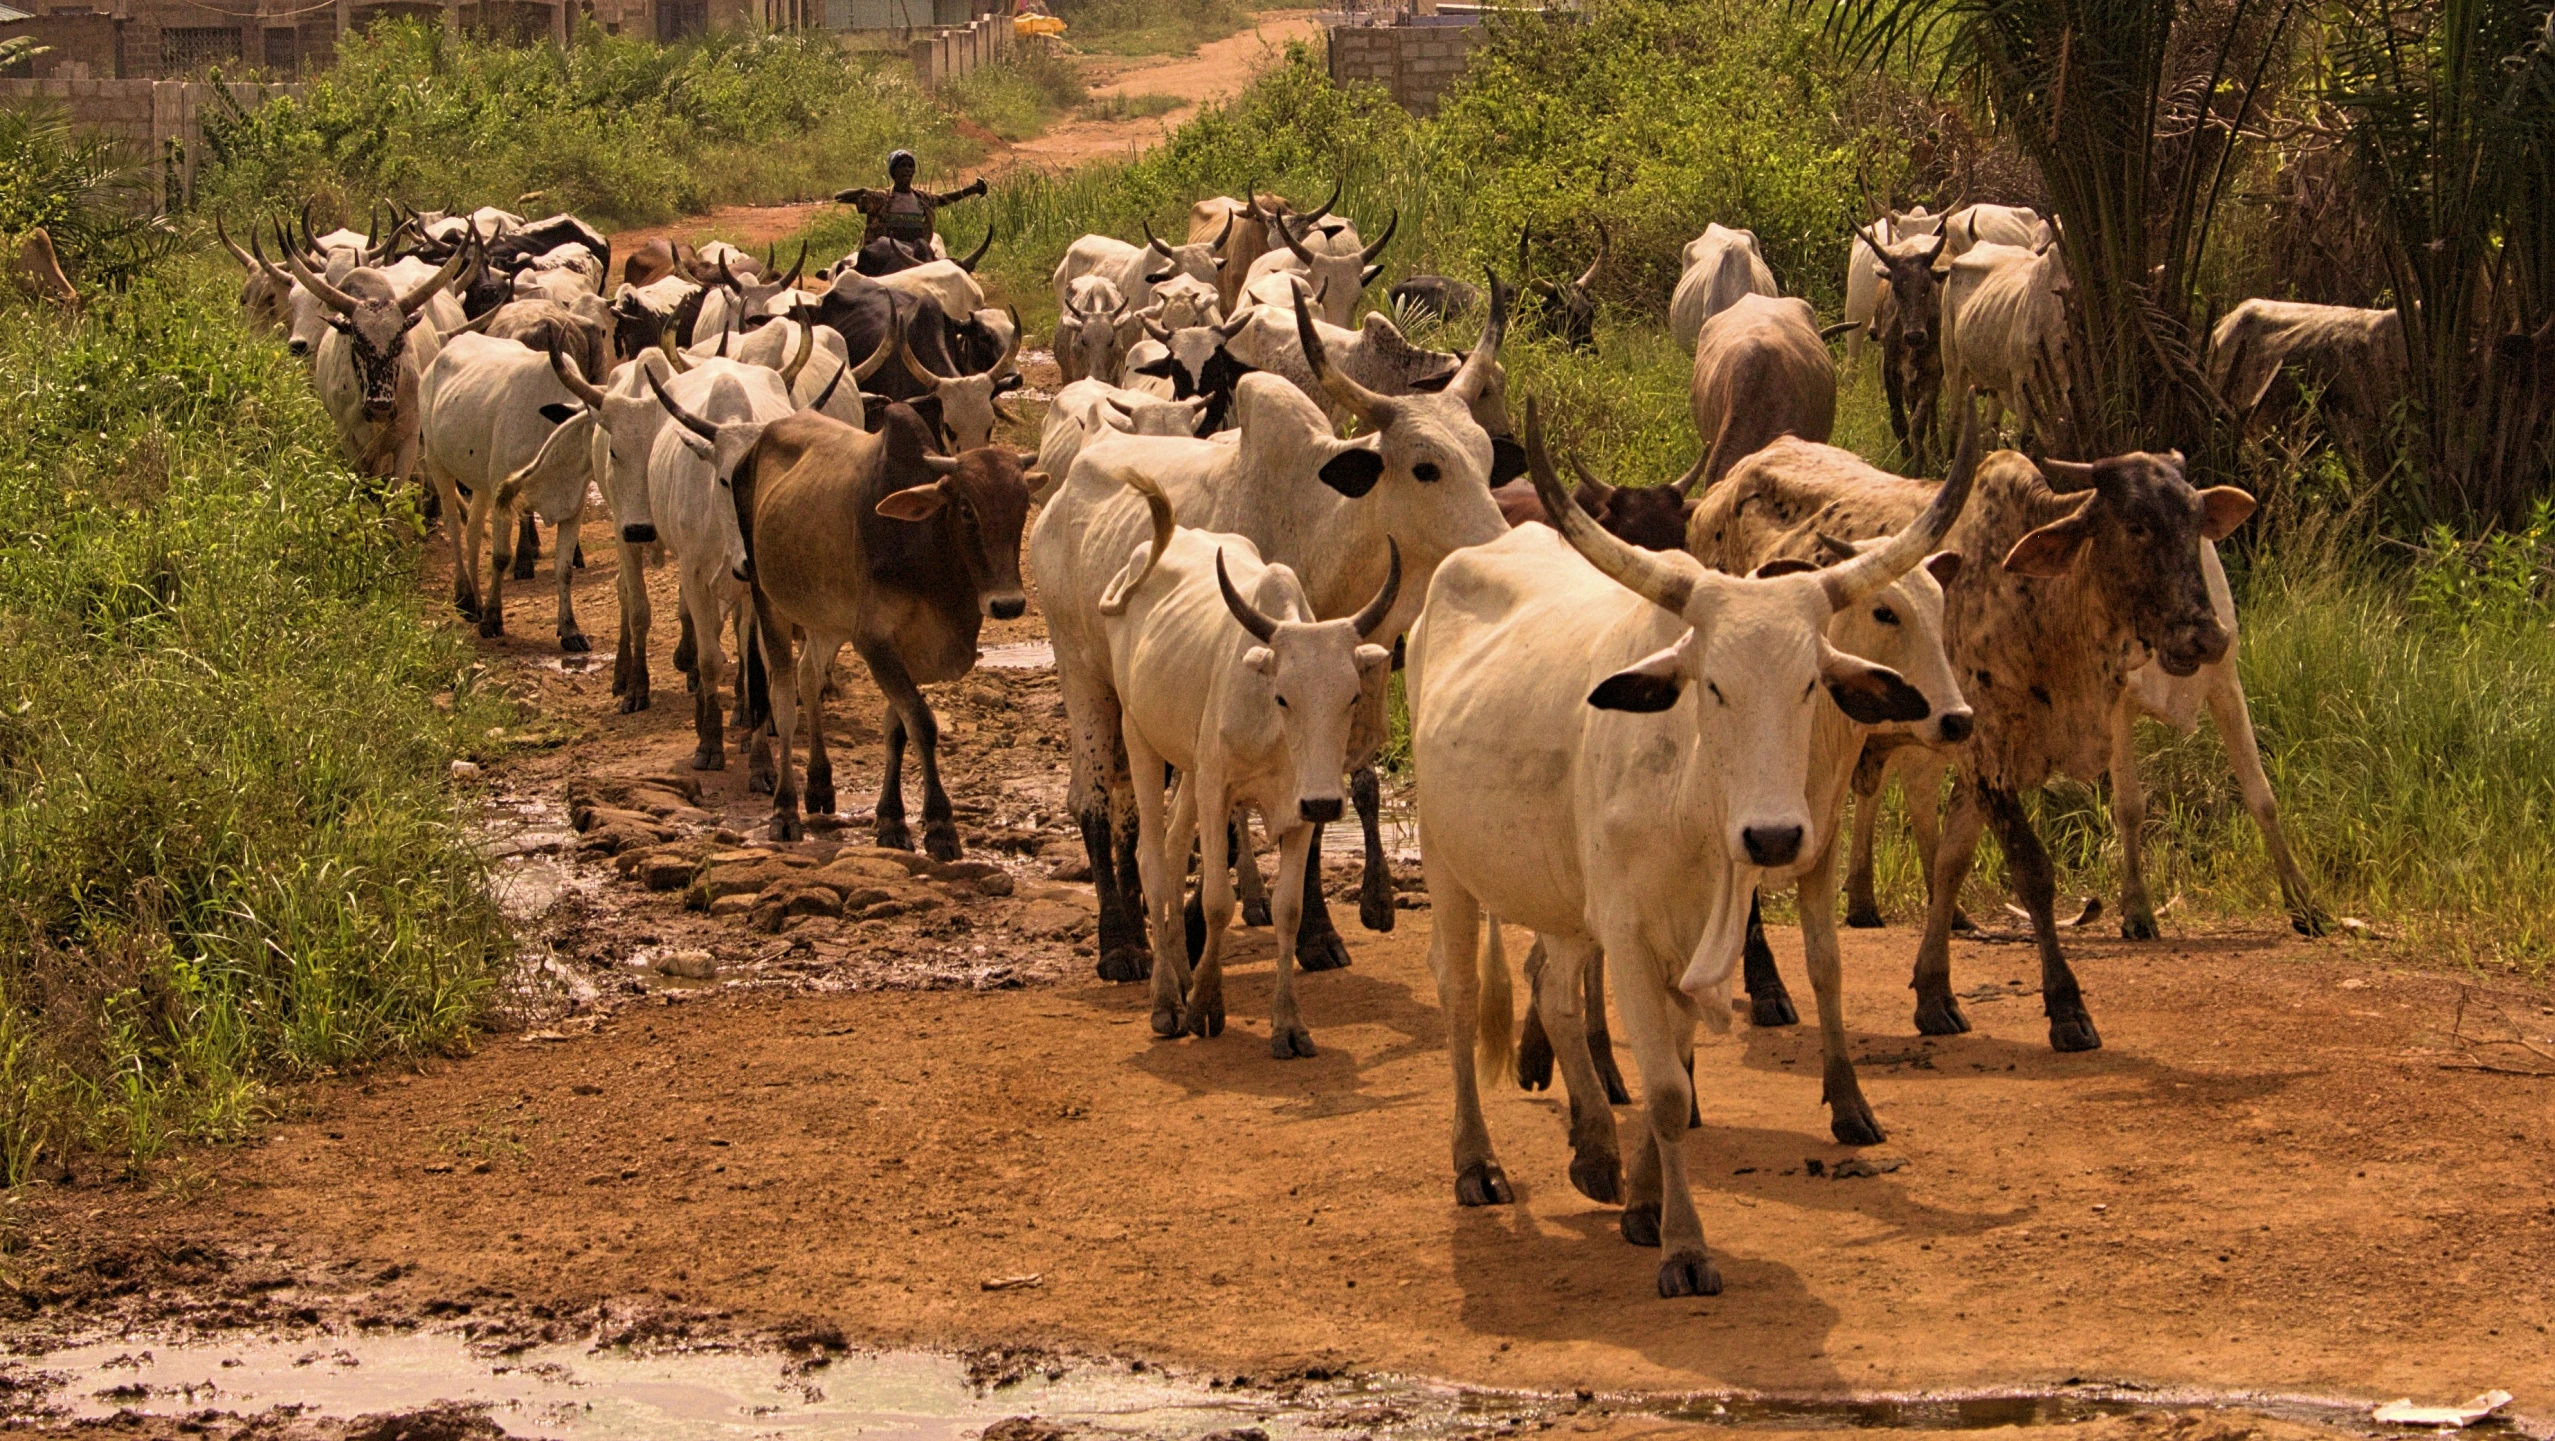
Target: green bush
x,y
94,197
1148,27
618,130
228,847
1017,98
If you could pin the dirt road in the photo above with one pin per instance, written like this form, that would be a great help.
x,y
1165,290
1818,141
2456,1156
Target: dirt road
x,y
2265,1181
1217,71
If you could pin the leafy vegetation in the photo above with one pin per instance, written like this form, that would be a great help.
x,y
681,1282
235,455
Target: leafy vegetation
x,y
92,196
228,847
1019,97
1149,27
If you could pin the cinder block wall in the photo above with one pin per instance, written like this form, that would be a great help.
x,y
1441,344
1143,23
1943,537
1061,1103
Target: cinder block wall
x,y
1418,63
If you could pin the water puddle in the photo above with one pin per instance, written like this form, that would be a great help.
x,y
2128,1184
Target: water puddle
x,y
1018,655
570,1391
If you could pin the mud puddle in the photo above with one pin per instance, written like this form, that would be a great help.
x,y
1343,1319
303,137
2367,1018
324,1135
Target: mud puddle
x,y
573,1391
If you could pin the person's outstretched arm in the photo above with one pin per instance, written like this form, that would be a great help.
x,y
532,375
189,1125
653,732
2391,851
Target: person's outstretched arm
x,y
964,192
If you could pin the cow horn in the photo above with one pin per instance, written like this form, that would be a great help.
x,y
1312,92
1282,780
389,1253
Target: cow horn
x,y
1226,233
233,246
1858,578
797,267
427,289
329,295
1684,485
727,277
1294,245
827,393
1369,408
372,231
1391,224
877,359
2066,477
1262,628
969,264
1592,491
1154,327
479,325
690,422
1323,209
913,364
310,244
1605,243
1152,241
673,357
266,266
1227,329
790,372
573,377
1371,618
720,353
1525,235
1655,576
1468,382
1011,348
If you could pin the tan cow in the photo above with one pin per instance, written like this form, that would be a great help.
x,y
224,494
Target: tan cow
x,y
1760,371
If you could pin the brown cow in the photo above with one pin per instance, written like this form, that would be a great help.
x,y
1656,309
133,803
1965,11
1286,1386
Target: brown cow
x,y
38,271
1244,237
1760,371
2073,582
1907,308
875,540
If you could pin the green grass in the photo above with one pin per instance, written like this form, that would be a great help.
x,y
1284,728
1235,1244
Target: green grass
x,y
229,851
1020,97
1149,27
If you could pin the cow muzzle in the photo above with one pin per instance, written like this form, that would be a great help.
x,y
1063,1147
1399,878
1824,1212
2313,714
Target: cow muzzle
x,y
1771,846
298,346
1320,811
1953,726
1009,606
2187,648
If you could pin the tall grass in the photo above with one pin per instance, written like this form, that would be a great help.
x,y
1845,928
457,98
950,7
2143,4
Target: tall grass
x,y
228,848
617,129
1017,98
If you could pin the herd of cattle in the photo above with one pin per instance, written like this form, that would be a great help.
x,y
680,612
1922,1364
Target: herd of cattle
x,y
1633,709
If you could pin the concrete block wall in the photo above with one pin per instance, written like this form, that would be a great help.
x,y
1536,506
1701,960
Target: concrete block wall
x,y
1418,63
959,51
148,113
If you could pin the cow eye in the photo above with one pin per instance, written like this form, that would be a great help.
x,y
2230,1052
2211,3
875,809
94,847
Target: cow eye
x,y
1716,692
1426,470
1885,615
1281,700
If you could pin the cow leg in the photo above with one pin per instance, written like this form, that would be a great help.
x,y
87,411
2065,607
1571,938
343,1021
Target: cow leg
x,y
940,829
1246,871
2129,817
572,637
1937,1014
2071,1028
815,668
1662,1027
1318,946
1601,1046
1193,918
754,705
1850,1117
1296,856
790,683
460,527
1769,1004
1534,1044
1560,989
1920,774
489,519
687,647
1862,908
1375,887
2234,720
1453,953
1894,390
709,661
1098,776
1161,882
890,811
630,652
528,545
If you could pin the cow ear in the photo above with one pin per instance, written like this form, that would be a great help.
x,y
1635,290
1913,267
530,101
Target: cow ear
x,y
1262,659
1353,472
2050,550
1507,460
1372,658
914,502
1868,693
1785,566
2222,509
558,411
1944,566
1648,685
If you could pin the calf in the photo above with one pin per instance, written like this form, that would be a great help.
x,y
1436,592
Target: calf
x,y
2078,579
1760,371
1905,307
1611,745
874,541
1235,685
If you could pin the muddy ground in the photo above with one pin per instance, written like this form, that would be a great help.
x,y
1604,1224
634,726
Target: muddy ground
x,y
933,1126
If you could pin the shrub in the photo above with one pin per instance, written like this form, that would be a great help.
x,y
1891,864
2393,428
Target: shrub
x,y
94,197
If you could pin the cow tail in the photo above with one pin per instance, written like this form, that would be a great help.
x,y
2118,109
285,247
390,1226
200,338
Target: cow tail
x,y
1722,456
1495,1024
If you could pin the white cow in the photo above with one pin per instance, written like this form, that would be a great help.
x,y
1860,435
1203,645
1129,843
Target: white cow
x,y
945,281
1087,408
1974,225
2002,317
1134,269
1333,261
1720,265
1091,328
1224,674
376,345
1611,747
494,419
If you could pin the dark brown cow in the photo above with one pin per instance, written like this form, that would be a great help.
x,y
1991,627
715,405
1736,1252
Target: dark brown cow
x,y
876,541
1907,306
655,261
2073,582
1760,371
1652,517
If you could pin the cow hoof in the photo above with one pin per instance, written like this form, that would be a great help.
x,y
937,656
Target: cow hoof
x,y
2073,1031
893,836
1688,1273
1774,1009
1601,1050
709,760
467,608
634,702
2310,922
523,568
1255,913
1864,918
820,799
1962,922
1166,1021
786,827
1534,1055
1941,1017
1598,1176
760,782
1321,951
1206,1018
575,643
1288,1042
940,841
1374,909
1482,1184
1129,963
1855,1125
2135,926
1641,1223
